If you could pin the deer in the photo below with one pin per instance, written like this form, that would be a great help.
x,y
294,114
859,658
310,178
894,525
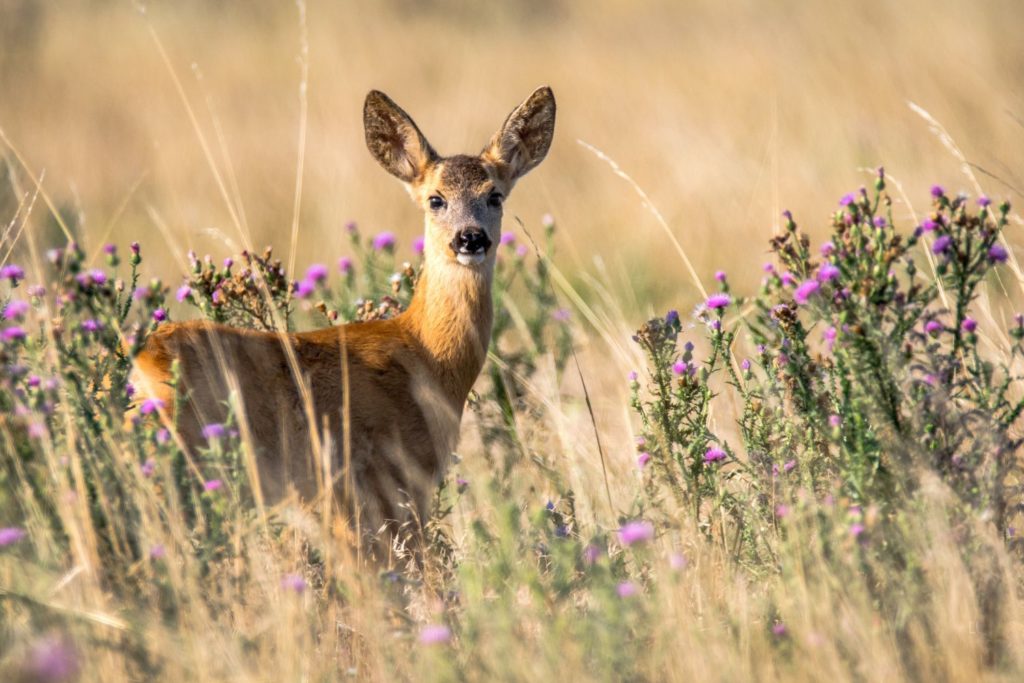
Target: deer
x,y
369,412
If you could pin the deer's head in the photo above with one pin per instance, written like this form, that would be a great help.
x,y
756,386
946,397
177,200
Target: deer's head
x,y
461,195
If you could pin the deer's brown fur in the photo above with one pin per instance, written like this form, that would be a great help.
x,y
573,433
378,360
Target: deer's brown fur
x,y
407,378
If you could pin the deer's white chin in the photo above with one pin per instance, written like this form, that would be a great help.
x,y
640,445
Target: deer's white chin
x,y
471,259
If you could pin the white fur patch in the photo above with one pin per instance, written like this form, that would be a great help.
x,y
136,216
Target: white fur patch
x,y
470,259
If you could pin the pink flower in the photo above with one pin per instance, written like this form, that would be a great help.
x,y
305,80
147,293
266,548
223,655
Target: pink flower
x,y
213,485
293,582
805,291
714,455
11,535
344,265
827,272
183,293
591,554
636,532
316,272
507,238
419,244
385,241
643,459
13,333
151,405
212,431
16,309
720,300
627,589
435,634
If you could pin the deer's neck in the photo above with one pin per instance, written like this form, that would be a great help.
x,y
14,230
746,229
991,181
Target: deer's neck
x,y
451,315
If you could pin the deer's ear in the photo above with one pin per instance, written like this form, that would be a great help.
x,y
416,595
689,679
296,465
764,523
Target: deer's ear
x,y
525,137
394,140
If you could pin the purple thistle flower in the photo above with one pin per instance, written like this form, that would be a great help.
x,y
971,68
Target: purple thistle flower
x,y
856,529
212,431
183,293
745,365
984,201
643,459
294,583
435,634
788,279
344,265
680,367
827,249
781,510
788,466
805,291
419,244
36,291
507,239
636,532
522,251
720,276
91,325
779,629
547,220
591,554
720,300
632,376
51,659
109,249
714,455
672,317
835,420
11,535
12,272
213,485
768,267
163,435
879,222
969,325
626,589
157,552
997,254
677,561
304,288
933,328
827,271
151,405
351,227
941,244
847,199
16,309
937,191
561,315
12,333
159,315
384,241
316,272
134,246
928,225
148,468
228,262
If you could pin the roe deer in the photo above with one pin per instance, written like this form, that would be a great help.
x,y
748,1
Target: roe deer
x,y
385,397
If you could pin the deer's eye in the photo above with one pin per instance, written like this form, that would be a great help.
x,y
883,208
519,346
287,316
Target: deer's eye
x,y
495,199
436,203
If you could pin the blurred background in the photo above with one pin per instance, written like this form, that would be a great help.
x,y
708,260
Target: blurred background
x,y
725,112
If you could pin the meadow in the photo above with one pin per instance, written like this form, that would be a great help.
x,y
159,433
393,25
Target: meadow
x,y
752,404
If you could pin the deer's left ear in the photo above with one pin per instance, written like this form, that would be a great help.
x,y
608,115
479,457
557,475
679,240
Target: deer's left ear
x,y
394,140
525,137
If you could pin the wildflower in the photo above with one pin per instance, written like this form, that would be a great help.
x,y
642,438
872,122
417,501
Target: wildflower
x,y
643,459
847,199
672,317
228,262
344,265
856,529
11,535
997,254
183,293
13,333
969,325
720,276
745,365
779,629
16,309
316,272
522,251
12,272
51,659
636,532
627,589
293,582
829,335
591,554
933,328
561,315
768,268
507,239
928,225
984,201
835,420
677,561
788,466
419,244
781,510
134,246
213,485
351,227
212,431
461,484
385,241
720,300
681,367
632,376
941,244
304,288
827,249
548,221
714,455
435,634
159,315
641,442
157,552
91,325
788,279
36,290
805,291
879,222
148,468
151,405
827,272
163,435
937,191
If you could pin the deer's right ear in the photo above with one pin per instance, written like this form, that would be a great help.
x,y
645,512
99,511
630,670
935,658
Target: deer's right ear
x,y
394,140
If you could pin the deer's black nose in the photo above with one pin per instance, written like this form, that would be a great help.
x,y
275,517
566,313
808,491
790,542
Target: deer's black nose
x,y
471,241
